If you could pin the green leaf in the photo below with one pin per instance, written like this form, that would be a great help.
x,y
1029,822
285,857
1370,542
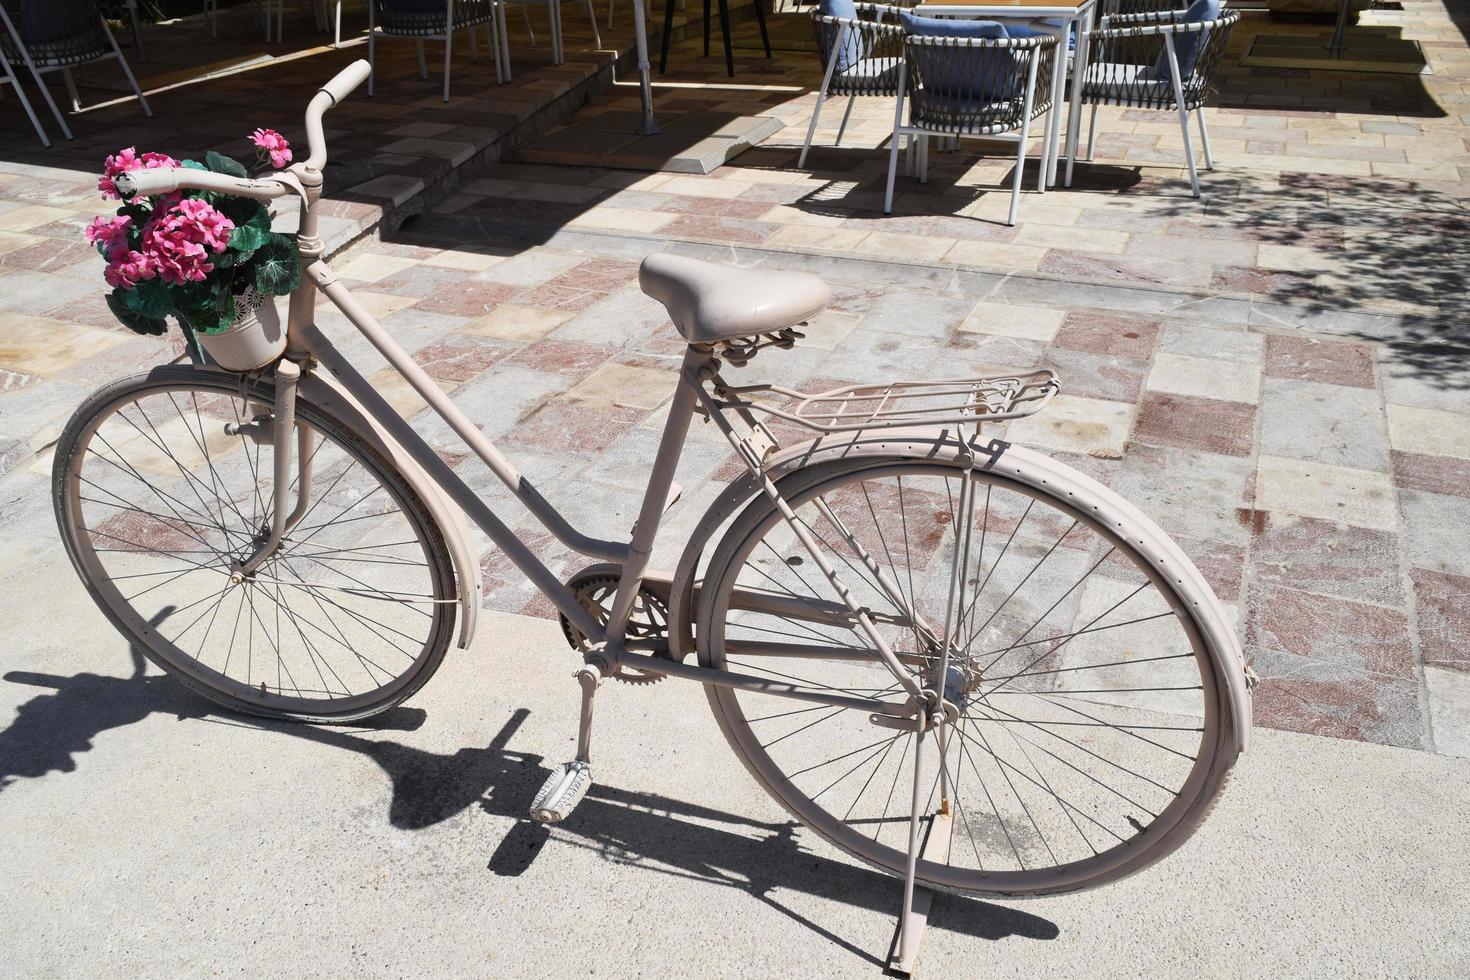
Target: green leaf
x,y
209,310
193,165
222,164
116,302
251,235
149,299
277,266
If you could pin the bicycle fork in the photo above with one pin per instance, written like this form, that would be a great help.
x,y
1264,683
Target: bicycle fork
x,y
282,423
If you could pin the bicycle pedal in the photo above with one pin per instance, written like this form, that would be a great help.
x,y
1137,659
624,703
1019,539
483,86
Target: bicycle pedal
x,y
561,792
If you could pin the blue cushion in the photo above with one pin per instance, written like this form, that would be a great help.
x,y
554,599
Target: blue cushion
x,y
1187,46
854,43
949,27
964,76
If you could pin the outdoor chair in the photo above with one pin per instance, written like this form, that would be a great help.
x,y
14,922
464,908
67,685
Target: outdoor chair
x,y
59,35
437,20
860,56
1160,60
8,77
553,18
977,87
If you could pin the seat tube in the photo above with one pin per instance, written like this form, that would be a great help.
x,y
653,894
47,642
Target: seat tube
x,y
655,497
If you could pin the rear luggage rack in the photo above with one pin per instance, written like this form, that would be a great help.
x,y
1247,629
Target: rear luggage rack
x,y
902,403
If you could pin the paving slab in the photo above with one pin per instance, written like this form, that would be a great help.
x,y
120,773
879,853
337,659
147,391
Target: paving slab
x,y
150,835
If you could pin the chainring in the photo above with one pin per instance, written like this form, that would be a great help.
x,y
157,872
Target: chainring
x,y
649,619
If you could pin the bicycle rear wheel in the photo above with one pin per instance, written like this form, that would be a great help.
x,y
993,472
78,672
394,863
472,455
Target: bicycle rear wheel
x,y
1090,735
154,501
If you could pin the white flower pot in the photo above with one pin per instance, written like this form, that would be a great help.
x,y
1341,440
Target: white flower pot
x,y
254,341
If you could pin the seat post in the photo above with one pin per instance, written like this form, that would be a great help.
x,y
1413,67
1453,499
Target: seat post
x,y
657,497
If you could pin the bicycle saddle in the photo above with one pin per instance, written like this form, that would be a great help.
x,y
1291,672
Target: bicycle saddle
x,y
710,302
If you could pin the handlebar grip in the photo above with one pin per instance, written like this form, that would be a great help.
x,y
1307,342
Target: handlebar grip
x,y
147,183
347,79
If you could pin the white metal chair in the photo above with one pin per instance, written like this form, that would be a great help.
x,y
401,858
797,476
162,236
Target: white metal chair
x,y
985,88
437,20
1157,60
8,77
860,56
59,35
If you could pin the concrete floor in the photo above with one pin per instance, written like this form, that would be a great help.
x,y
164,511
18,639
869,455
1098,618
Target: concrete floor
x,y
147,835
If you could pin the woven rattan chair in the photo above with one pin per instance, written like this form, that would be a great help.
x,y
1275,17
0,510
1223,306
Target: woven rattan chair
x,y
437,20
859,57
1156,61
987,88
59,35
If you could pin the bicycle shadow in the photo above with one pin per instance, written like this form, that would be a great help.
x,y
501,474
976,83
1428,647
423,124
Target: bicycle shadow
x,y
647,831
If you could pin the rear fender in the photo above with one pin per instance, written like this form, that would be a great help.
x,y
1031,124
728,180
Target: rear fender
x,y
1005,459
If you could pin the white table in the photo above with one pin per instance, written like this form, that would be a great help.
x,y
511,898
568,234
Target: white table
x,y
1061,17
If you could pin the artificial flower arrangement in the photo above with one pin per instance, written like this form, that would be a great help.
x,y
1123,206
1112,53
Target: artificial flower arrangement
x,y
207,259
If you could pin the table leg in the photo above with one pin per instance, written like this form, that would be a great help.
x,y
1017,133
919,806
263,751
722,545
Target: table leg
x,y
1074,110
1051,135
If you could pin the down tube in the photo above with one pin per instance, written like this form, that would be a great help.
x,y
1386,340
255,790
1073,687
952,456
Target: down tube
x,y
438,471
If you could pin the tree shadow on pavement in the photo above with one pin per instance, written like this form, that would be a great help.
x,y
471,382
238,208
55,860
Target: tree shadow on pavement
x,y
646,831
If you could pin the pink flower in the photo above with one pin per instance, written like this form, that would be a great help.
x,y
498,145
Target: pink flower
x,y
272,144
125,160
177,243
110,233
125,269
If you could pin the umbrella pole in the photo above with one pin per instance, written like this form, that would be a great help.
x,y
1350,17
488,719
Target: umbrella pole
x,y
650,125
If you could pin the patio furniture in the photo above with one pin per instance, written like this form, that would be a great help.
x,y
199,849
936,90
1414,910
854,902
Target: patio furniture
x,y
274,22
59,35
978,87
8,77
437,20
554,29
861,55
1163,60
1059,19
760,16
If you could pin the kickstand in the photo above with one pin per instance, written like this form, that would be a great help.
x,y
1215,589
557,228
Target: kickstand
x,y
904,953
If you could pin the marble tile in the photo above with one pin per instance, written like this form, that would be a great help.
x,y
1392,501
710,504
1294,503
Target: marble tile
x,y
1308,359
1013,320
1204,424
1205,378
1332,493
1323,423
1078,425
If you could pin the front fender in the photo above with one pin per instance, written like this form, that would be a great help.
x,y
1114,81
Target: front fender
x,y
1005,459
322,390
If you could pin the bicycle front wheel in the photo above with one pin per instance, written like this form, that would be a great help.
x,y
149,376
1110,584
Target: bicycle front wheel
x,y
155,501
1087,739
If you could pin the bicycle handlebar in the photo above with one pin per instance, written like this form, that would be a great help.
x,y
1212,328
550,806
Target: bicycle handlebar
x,y
328,96
163,180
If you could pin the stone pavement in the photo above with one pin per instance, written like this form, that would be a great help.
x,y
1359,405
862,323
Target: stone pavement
x,y
1276,373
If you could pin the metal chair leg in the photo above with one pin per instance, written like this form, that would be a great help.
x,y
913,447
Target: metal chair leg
x,y
1183,112
423,62
897,135
71,90
448,53
25,103
592,19
725,36
127,71
372,45
1204,135
1091,132
851,101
